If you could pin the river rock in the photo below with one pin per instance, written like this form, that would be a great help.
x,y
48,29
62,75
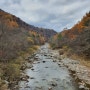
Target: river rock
x,y
32,78
81,87
43,61
36,57
50,88
45,54
32,69
53,83
54,60
23,67
27,86
38,87
29,65
24,77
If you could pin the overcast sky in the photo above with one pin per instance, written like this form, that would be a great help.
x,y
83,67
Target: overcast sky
x,y
53,14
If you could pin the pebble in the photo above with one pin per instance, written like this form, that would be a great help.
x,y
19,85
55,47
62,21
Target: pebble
x,y
50,88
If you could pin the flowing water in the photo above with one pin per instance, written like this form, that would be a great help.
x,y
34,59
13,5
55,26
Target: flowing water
x,y
46,74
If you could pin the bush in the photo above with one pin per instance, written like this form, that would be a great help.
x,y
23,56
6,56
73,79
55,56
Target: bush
x,y
12,71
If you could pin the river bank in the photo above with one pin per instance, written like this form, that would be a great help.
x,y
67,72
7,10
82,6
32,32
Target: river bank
x,y
11,71
81,73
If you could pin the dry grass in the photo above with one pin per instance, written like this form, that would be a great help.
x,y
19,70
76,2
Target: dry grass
x,y
84,61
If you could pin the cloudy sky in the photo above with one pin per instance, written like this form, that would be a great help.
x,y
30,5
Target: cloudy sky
x,y
53,14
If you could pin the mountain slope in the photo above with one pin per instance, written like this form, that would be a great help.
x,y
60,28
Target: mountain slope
x,y
16,36
77,39
13,22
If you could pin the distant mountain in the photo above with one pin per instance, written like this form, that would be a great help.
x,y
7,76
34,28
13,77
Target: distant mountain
x,y
12,22
16,36
77,38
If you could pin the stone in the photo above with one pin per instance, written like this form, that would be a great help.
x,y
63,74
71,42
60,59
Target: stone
x,y
38,87
24,78
32,78
50,88
54,60
82,85
27,87
45,55
32,69
43,61
54,84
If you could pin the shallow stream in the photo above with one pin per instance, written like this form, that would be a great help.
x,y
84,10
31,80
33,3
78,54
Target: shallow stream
x,y
47,74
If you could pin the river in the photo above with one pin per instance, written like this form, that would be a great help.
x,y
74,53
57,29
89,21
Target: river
x,y
47,74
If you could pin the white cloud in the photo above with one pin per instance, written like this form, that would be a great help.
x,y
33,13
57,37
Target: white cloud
x,y
55,14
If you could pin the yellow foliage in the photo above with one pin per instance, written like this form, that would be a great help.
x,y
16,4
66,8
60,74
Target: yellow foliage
x,y
31,50
30,40
35,47
13,71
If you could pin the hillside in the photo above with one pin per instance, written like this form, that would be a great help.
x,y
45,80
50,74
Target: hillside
x,y
17,36
12,22
77,39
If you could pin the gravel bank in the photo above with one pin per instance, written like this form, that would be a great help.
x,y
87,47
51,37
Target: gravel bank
x,y
80,72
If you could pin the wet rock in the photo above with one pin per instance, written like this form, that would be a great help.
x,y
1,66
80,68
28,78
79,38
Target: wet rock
x,y
27,87
36,58
50,88
43,61
45,55
54,60
24,78
51,56
53,83
32,78
82,85
59,64
32,69
38,62
23,67
29,65
43,79
38,87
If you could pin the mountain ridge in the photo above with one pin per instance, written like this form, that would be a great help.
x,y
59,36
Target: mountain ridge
x,y
77,38
16,36
12,21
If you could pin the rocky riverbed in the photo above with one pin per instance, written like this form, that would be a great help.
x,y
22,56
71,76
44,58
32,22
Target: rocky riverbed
x,y
80,72
46,73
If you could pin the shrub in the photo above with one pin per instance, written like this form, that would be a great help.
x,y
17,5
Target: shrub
x,y
12,71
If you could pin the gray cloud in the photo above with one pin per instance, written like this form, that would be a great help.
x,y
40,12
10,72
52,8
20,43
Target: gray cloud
x,y
55,14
